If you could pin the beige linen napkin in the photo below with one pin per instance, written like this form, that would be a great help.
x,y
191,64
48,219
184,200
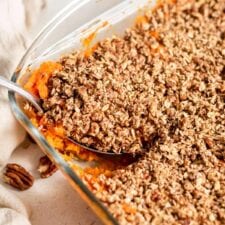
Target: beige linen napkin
x,y
15,17
11,133
12,210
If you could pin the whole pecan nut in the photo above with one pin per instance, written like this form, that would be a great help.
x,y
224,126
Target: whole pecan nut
x,y
18,177
46,167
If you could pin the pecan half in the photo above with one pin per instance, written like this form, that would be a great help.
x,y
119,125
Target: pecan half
x,y
18,177
46,167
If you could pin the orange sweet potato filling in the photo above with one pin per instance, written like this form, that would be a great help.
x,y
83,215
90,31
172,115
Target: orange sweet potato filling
x,y
37,83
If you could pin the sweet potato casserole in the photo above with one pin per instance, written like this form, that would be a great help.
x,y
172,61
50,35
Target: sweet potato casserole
x,y
158,91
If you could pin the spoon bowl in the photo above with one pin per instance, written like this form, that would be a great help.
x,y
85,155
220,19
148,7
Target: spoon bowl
x,y
93,149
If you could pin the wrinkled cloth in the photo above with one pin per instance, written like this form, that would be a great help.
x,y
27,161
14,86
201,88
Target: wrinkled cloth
x,y
12,210
52,200
11,133
15,18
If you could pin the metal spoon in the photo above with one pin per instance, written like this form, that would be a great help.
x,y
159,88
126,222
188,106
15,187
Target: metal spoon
x,y
20,91
36,102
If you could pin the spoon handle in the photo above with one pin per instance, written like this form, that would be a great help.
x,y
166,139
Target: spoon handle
x,y
19,90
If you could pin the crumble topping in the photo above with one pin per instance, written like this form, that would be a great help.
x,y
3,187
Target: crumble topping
x,y
109,100
159,90
181,179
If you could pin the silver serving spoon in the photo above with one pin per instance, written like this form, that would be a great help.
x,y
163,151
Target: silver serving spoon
x,y
19,90
36,102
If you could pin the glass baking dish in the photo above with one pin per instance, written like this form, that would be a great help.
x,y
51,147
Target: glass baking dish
x,y
67,32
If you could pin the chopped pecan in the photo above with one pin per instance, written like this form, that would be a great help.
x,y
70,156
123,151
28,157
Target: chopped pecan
x,y
18,177
185,222
46,167
155,196
209,142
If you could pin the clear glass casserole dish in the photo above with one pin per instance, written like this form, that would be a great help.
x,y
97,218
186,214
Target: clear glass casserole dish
x,y
67,32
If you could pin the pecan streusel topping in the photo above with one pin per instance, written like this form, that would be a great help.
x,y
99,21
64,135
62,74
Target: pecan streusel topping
x,y
159,89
